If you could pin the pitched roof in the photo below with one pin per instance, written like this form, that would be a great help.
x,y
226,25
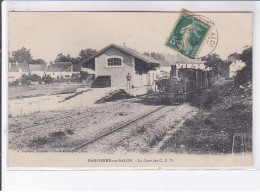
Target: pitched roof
x,y
138,55
59,67
16,66
126,50
37,67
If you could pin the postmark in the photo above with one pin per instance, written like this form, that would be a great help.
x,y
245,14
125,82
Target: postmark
x,y
194,36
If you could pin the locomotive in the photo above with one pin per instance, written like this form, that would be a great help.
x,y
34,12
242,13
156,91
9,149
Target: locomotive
x,y
185,79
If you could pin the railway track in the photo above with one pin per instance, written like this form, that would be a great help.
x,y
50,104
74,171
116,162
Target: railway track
x,y
83,144
79,116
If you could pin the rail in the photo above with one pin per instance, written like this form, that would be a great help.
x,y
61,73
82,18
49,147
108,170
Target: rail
x,y
115,129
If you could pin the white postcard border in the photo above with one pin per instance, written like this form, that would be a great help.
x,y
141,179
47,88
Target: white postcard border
x,y
122,6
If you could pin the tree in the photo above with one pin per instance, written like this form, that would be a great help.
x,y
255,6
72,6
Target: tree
x,y
247,57
22,55
86,53
68,58
63,58
216,63
245,74
38,61
157,56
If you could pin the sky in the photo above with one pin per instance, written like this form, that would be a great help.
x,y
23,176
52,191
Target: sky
x,y
47,34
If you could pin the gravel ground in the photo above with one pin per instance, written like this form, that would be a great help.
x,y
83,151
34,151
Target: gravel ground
x,y
28,91
43,124
145,135
65,134
49,103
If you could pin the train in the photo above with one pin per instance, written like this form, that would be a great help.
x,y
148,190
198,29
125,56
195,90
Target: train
x,y
184,79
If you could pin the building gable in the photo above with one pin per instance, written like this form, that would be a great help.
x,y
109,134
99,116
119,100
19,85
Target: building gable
x,y
113,52
126,50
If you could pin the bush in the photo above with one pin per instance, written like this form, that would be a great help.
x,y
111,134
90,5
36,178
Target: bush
x,y
47,79
203,99
83,75
25,80
14,83
35,78
75,77
243,76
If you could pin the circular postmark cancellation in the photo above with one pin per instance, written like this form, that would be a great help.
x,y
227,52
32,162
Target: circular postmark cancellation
x,y
194,36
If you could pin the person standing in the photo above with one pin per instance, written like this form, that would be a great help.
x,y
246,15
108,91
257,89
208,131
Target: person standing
x,y
128,79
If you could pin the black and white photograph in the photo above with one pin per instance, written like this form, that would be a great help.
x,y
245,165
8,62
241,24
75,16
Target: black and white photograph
x,y
103,89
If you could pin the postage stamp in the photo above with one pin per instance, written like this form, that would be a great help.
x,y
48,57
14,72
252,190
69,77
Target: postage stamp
x,y
188,34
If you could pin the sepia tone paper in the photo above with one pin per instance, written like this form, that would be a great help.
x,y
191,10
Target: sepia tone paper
x,y
101,89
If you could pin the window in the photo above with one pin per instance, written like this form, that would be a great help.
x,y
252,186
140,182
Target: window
x,y
114,62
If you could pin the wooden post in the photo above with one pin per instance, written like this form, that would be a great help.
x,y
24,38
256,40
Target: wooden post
x,y
245,143
233,144
196,78
242,143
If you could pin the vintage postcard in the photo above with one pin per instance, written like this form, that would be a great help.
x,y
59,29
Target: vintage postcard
x,y
130,89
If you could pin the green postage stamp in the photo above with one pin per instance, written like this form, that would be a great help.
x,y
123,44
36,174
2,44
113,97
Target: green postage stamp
x,y
188,34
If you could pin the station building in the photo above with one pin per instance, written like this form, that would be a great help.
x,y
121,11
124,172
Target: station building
x,y
113,63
